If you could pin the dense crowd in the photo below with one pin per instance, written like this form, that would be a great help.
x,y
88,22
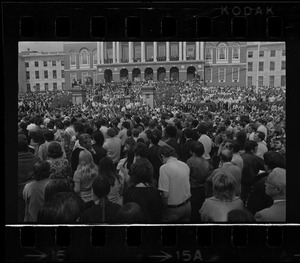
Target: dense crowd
x,y
201,154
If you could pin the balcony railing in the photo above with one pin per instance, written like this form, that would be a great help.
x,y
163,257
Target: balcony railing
x,y
125,60
108,61
174,58
190,58
149,59
163,58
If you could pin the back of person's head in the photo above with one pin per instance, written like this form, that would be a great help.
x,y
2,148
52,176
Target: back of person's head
x,y
241,137
166,151
41,170
89,130
141,172
236,146
155,137
152,124
111,132
55,186
78,127
224,186
261,135
38,120
67,123
55,150
85,158
202,129
131,142
22,145
135,132
61,208
59,124
171,131
130,213
240,216
197,148
100,186
98,137
50,125
140,140
278,179
226,155
84,138
140,149
48,135
188,133
106,165
250,146
274,159
98,124
126,125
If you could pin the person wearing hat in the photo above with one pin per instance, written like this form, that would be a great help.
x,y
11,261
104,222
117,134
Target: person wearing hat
x,y
275,187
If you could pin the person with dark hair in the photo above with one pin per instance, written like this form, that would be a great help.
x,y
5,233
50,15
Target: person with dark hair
x,y
79,129
34,191
252,165
59,164
98,146
199,171
122,135
226,167
259,137
103,127
258,199
43,149
240,216
186,147
108,170
130,213
103,211
171,133
143,192
135,134
113,146
152,154
261,122
61,208
140,150
174,185
26,162
55,186
36,134
224,199
236,157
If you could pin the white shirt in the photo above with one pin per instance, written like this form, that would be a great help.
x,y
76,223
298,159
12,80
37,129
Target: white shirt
x,y
104,129
263,129
207,143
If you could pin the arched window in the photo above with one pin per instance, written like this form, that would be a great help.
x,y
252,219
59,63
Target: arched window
x,y
72,58
222,52
84,57
235,52
95,59
208,52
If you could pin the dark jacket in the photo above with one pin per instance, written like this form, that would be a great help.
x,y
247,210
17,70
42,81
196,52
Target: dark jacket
x,y
153,157
185,150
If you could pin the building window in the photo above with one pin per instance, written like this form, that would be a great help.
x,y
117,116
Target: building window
x,y
95,58
45,74
208,52
36,64
45,64
53,63
174,50
161,51
249,81
27,75
37,74
272,53
235,52
109,52
27,64
250,66
137,52
271,81
63,74
149,53
54,74
283,65
84,57
221,74
283,52
272,65
190,52
73,76
28,87
261,53
54,86
283,81
250,54
261,66
208,74
37,87
72,58
222,52
62,63
84,76
260,81
46,87
235,74
125,52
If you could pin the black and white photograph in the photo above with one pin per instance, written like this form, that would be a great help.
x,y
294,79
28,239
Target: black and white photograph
x,y
151,132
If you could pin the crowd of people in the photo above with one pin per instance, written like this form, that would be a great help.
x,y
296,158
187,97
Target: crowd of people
x,y
201,154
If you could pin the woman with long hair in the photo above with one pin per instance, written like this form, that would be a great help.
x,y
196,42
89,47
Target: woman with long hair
x,y
107,169
86,171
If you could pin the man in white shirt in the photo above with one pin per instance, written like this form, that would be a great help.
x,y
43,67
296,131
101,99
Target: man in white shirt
x,y
261,148
113,146
261,127
174,185
205,140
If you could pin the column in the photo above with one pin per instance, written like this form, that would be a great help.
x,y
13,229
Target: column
x,y
154,51
118,52
102,52
184,50
201,50
98,52
114,51
143,51
197,50
180,51
130,51
167,51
